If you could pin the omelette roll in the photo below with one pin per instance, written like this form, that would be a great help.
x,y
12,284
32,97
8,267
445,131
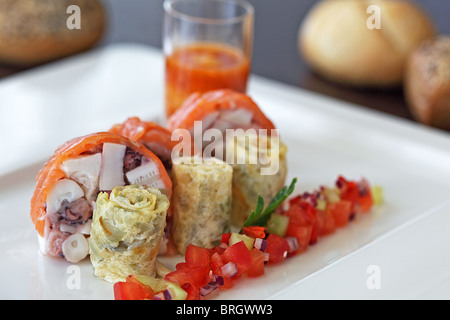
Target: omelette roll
x,y
259,168
68,184
201,201
127,230
159,140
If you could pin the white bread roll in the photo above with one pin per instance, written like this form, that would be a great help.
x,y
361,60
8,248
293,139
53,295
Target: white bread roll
x,y
427,82
35,31
335,41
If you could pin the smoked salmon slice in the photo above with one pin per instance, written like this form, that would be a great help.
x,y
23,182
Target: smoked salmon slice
x,y
68,184
156,138
222,109
153,136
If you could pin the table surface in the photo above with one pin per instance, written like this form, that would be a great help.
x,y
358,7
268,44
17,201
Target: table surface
x,y
275,54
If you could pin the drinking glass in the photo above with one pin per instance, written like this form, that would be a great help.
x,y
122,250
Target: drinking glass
x,y
207,45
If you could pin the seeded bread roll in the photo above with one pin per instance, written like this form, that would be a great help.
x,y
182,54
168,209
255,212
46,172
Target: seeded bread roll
x,y
427,82
336,42
35,31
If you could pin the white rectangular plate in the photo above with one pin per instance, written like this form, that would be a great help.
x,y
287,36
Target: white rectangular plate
x,y
396,251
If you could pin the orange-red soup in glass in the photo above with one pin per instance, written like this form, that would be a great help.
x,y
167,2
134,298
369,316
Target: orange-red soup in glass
x,y
202,67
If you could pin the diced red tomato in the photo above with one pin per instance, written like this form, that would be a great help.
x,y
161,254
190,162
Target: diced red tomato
x,y
325,222
365,199
301,213
193,293
303,235
303,203
178,276
349,190
197,276
196,256
295,200
358,193
240,255
341,212
277,248
315,231
226,237
320,222
254,232
309,211
216,263
366,203
227,282
182,266
257,267
218,250
131,290
295,215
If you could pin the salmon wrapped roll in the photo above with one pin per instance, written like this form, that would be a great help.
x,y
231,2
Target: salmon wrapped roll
x,y
127,231
153,136
253,147
219,109
68,184
259,165
201,201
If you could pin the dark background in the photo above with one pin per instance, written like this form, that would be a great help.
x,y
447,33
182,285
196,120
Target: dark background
x,y
275,53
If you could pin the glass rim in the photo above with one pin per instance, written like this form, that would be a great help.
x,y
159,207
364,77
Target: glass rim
x,y
248,7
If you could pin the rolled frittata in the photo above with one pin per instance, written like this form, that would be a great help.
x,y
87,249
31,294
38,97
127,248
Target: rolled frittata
x,y
127,230
201,201
259,168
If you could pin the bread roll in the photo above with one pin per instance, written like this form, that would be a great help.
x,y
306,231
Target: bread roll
x,y
427,82
337,43
35,31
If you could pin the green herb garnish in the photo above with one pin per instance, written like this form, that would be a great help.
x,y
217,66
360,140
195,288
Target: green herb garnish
x,y
259,217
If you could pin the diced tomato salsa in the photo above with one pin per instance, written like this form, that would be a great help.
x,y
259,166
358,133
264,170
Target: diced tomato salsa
x,y
277,248
238,254
132,289
257,266
311,216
